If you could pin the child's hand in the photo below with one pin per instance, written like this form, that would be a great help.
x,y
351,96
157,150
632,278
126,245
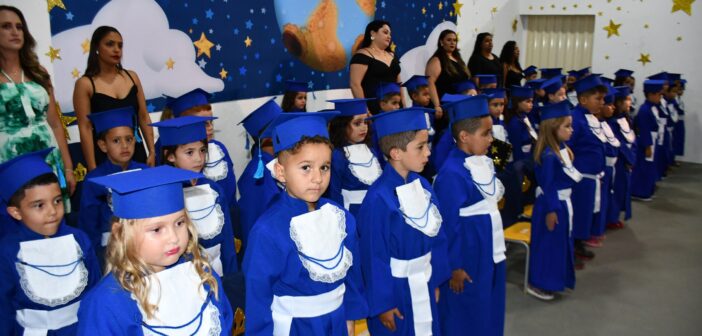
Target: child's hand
x,y
351,327
438,112
151,160
551,220
457,278
388,319
437,293
649,151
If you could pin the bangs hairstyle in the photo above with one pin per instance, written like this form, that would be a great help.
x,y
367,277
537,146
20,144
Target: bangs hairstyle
x,y
171,150
512,109
288,103
469,125
389,96
397,140
305,140
337,132
168,112
132,272
548,136
27,57
41,180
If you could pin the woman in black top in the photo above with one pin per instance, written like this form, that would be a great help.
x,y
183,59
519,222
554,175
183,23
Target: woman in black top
x,y
106,86
511,69
445,68
483,61
373,63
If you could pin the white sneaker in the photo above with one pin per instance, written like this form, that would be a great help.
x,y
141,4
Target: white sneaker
x,y
539,294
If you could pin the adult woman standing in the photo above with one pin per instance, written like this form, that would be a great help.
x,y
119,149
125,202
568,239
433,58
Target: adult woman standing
x,y
106,85
511,69
28,118
483,61
445,68
373,63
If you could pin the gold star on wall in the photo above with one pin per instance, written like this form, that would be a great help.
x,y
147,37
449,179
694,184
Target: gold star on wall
x,y
203,46
646,26
493,10
531,7
679,38
393,46
619,8
424,11
65,121
606,57
575,5
79,172
75,73
86,46
589,5
515,22
50,4
682,5
553,6
457,8
441,5
644,58
169,63
53,53
541,8
599,13
223,74
612,28
248,41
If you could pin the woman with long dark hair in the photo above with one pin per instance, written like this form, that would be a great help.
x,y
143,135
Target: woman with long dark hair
x,y
373,63
106,85
445,69
511,69
28,118
483,61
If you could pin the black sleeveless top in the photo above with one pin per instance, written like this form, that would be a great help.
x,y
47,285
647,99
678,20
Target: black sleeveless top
x,y
100,102
377,72
446,81
513,78
480,65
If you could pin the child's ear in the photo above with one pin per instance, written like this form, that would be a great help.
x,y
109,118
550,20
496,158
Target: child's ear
x,y
279,172
463,136
102,144
171,158
395,154
14,212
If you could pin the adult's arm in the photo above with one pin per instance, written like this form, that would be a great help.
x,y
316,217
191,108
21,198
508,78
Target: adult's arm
x,y
144,121
356,73
81,105
505,69
57,128
433,71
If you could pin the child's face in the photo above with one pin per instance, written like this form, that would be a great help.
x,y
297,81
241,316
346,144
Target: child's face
x,y
306,173
496,106
488,86
118,145
301,100
470,92
654,97
526,105
416,156
421,96
209,125
557,97
565,129
624,105
479,141
357,129
539,92
392,103
531,77
160,241
671,94
190,156
593,102
607,110
41,210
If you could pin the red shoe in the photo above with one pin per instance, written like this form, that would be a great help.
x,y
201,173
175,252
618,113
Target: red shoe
x,y
593,242
615,226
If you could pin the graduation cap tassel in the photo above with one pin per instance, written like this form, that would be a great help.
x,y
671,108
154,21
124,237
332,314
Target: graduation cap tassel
x,y
60,173
136,131
247,145
259,169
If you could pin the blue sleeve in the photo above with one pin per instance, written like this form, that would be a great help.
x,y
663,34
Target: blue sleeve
x,y
229,262
451,197
90,259
546,173
100,314
7,290
514,135
645,123
354,299
338,167
226,315
89,216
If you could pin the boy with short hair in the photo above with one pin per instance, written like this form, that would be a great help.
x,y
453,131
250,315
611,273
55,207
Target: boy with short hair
x,y
402,245
389,97
644,174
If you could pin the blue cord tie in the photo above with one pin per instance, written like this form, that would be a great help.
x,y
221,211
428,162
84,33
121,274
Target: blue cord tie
x,y
363,164
213,163
481,185
39,267
197,317
210,208
412,219
320,261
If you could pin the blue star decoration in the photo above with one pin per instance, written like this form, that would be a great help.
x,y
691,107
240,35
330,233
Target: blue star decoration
x,y
195,21
249,24
209,14
202,63
242,71
150,107
69,16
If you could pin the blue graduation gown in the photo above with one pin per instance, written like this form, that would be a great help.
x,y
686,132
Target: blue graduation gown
x,y
480,308
644,174
256,194
679,129
621,187
589,159
272,267
600,222
442,148
343,179
384,235
12,295
518,135
551,257
662,148
109,309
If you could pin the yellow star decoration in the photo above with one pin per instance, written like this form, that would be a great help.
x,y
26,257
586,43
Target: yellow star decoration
x,y
457,8
619,8
575,5
493,10
393,46
203,46
79,172
75,73
565,8
646,26
553,6
239,322
441,5
169,63
541,8
248,41
599,13
86,46
612,28
606,57
645,58
679,38
223,74
531,7
424,11
515,22
589,5
65,121
50,4
683,5
53,53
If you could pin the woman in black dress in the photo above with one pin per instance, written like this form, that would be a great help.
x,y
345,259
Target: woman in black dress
x,y
445,68
511,69
373,63
483,61
106,86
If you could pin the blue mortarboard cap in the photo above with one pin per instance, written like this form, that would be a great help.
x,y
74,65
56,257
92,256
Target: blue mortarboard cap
x,y
622,91
550,72
530,70
16,172
587,83
521,91
682,83
607,80
536,83
469,107
609,96
257,120
415,82
288,128
387,88
573,73
674,76
623,73
486,79
147,193
584,71
464,86
557,110
295,86
107,120
552,85
402,120
654,85
448,98
660,76
494,93
350,107
182,130
197,97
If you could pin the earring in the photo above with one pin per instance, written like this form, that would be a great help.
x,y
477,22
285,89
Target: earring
x,y
372,38
97,52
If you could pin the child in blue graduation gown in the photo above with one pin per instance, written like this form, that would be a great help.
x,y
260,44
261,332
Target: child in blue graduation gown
x,y
473,301
626,159
158,280
295,96
116,140
521,133
302,261
256,183
403,247
679,131
551,260
444,142
355,164
46,266
645,174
